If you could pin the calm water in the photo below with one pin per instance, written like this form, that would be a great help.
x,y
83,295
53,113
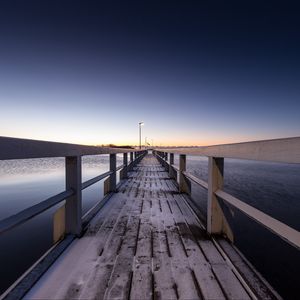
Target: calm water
x,y
272,188
24,183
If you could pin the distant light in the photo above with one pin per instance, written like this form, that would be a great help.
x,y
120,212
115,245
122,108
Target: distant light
x,y
141,123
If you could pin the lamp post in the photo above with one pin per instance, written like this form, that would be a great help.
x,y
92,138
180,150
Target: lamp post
x,y
140,131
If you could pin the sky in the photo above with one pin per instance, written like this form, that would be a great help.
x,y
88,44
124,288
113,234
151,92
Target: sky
x,y
195,72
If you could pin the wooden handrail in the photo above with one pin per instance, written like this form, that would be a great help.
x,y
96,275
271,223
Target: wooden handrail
x,y
95,179
284,231
216,221
284,150
196,180
13,148
29,213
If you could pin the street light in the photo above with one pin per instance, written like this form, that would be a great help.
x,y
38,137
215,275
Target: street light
x,y
140,129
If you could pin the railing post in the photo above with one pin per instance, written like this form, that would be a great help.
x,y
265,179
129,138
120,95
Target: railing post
x,y
131,157
166,159
73,204
113,176
184,185
216,221
171,163
125,167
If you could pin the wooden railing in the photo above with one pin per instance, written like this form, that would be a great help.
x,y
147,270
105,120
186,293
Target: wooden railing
x,y
11,148
279,150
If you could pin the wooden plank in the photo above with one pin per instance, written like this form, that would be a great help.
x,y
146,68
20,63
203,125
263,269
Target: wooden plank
x,y
145,243
231,286
75,266
59,224
197,180
164,284
187,289
92,181
209,286
96,284
142,268
73,203
258,285
119,284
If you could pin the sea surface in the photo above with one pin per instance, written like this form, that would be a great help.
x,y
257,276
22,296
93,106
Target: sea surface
x,y
271,187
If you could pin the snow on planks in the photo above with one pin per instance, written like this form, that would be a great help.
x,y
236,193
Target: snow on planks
x,y
144,244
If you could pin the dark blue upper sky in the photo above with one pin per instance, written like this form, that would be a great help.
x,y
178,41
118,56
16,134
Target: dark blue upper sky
x,y
195,72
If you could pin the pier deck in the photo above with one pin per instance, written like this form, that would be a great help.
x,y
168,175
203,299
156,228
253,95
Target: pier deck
x,y
146,243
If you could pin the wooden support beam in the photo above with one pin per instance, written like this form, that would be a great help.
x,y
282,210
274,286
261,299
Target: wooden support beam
x,y
171,163
184,183
123,173
113,169
73,203
131,156
166,165
216,221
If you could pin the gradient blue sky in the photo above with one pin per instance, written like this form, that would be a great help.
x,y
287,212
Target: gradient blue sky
x,y
195,73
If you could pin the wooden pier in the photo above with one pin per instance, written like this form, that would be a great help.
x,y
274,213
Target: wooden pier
x,y
143,240
145,243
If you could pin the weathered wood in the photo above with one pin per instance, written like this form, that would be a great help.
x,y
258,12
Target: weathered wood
x,y
119,284
73,203
257,284
210,289
145,243
113,175
184,184
187,289
14,148
80,259
229,283
124,171
32,211
282,230
215,182
131,156
141,287
164,283
216,220
94,180
97,282
278,150
172,173
196,180
59,224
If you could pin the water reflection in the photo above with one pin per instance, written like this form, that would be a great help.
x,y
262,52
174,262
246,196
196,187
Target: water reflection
x,y
24,183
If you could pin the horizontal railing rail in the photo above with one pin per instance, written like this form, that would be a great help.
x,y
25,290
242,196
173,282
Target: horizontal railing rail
x,y
11,148
119,167
195,179
287,233
281,150
284,150
33,211
14,148
94,180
